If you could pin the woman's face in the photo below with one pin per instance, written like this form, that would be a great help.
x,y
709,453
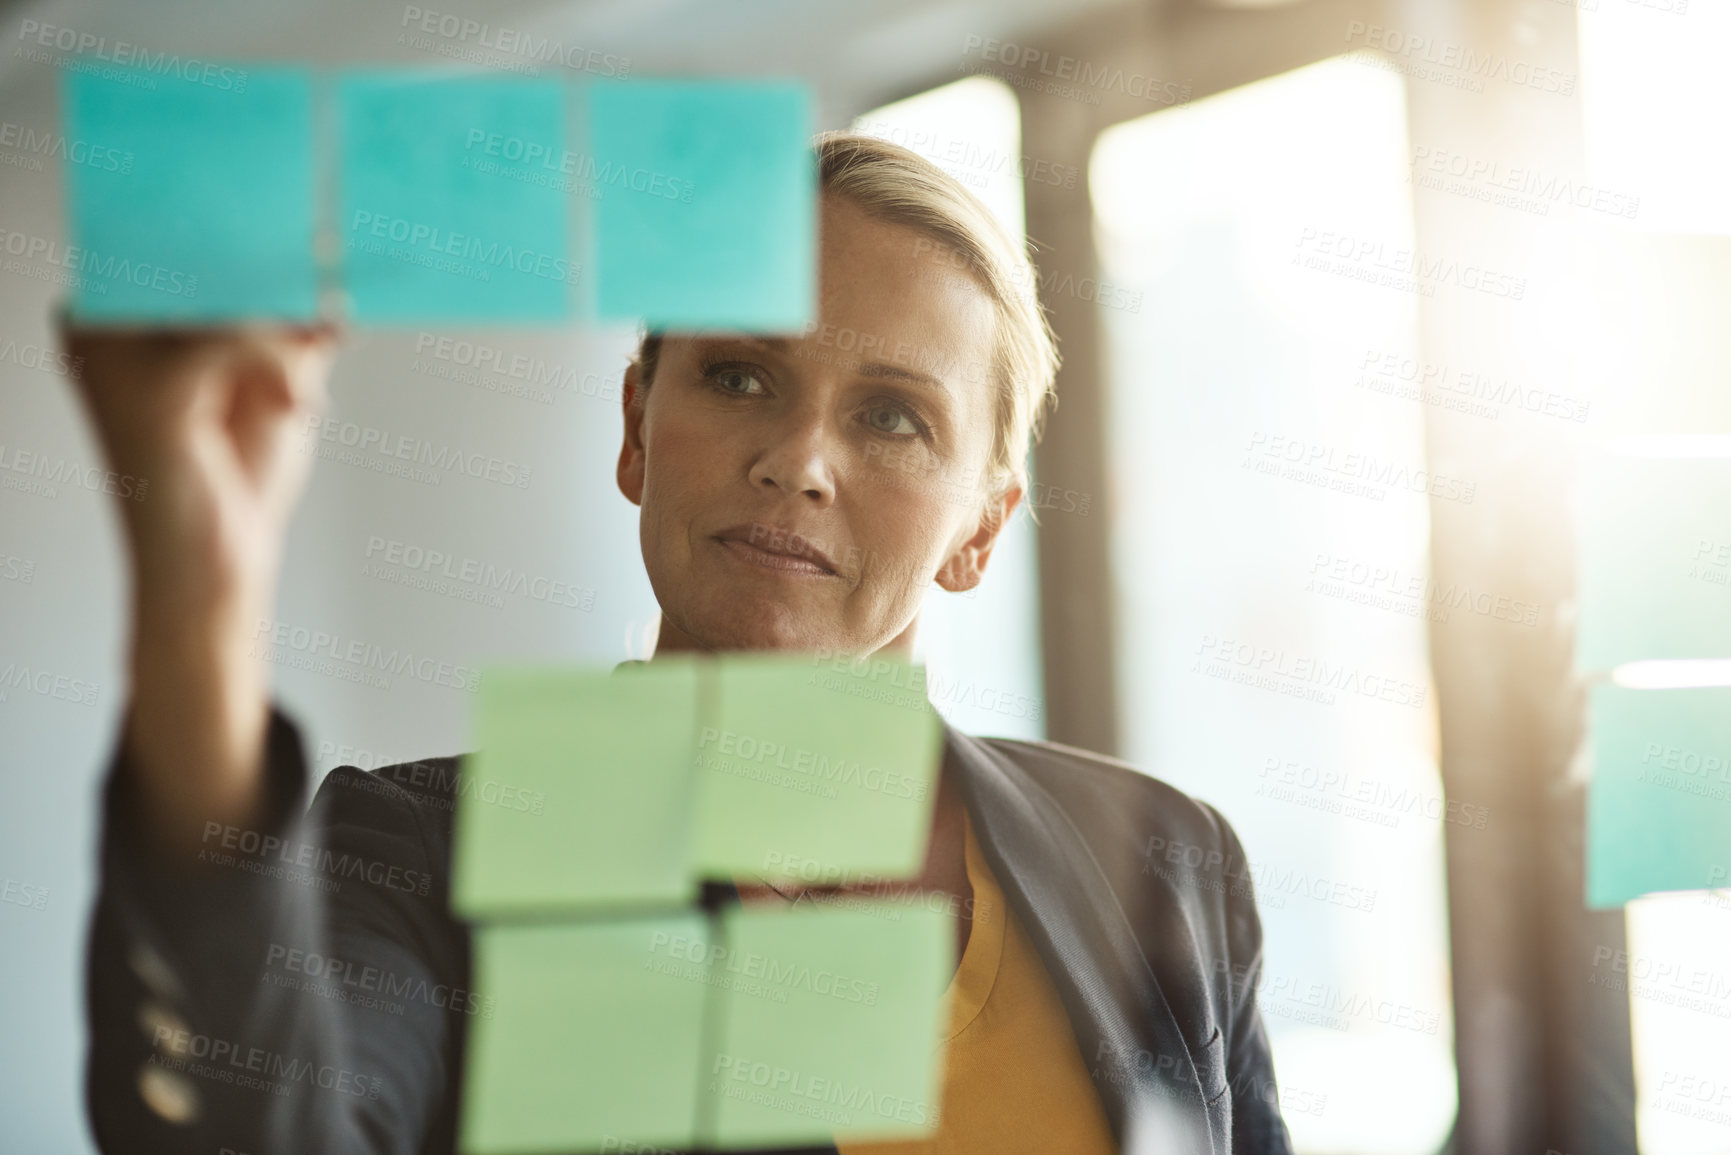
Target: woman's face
x,y
804,492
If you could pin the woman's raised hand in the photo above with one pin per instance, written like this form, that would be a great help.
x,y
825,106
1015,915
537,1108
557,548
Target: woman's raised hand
x,y
212,423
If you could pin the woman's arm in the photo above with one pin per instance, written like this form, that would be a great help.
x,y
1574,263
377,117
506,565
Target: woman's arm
x,y
204,1034
298,990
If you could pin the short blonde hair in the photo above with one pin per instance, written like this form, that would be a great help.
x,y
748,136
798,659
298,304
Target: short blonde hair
x,y
899,186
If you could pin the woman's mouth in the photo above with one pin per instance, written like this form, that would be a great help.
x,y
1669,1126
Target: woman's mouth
x,y
781,558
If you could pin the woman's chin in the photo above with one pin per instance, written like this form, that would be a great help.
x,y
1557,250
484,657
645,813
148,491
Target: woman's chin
x,y
760,623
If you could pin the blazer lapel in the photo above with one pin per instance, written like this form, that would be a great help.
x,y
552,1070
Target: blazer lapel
x,y
1126,1030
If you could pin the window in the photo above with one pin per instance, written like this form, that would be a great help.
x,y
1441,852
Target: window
x,y
1271,564
981,648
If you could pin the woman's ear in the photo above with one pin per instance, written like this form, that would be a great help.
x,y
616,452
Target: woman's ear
x,y
964,568
632,454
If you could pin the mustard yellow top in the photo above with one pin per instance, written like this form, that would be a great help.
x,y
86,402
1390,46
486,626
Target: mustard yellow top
x,y
1014,1078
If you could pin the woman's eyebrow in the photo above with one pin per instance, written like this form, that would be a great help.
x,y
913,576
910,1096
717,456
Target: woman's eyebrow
x,y
879,369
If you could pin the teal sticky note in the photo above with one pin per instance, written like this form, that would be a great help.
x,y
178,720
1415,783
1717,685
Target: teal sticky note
x,y
832,1023
580,795
1659,807
587,1033
816,769
1654,540
196,199
707,209
452,206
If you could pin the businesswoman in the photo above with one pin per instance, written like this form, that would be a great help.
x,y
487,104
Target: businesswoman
x,y
799,493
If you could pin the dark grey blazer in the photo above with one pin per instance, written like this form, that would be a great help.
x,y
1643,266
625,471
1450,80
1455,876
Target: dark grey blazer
x,y
309,995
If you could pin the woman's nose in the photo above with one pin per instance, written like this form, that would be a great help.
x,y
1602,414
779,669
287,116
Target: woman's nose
x,y
799,459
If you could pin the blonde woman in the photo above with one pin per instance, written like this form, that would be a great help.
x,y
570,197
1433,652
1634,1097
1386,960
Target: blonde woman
x,y
798,493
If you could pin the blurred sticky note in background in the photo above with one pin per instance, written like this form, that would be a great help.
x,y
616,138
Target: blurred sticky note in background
x,y
832,1023
821,770
1659,807
581,792
707,214
450,206
201,207
1655,559
586,1033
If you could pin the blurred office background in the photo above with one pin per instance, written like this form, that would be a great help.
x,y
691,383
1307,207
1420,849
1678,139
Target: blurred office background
x,y
1343,288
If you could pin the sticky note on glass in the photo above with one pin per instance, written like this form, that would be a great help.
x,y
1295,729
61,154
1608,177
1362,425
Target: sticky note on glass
x,y
707,208
197,202
581,792
1659,807
816,770
450,206
586,1032
1655,559
832,1023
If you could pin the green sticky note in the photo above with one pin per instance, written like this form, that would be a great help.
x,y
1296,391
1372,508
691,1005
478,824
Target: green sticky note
x,y
453,203
707,213
189,194
580,795
1659,808
1655,559
588,1033
832,1023
817,770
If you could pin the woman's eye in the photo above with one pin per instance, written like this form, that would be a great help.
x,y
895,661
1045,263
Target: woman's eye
x,y
736,381
887,419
